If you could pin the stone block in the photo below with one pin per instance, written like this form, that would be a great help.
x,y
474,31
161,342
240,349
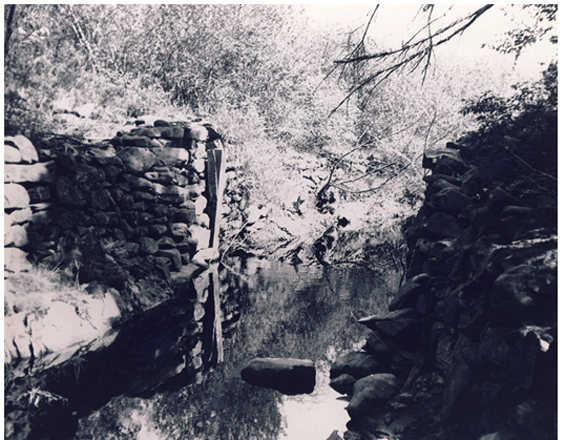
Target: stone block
x,y
200,205
145,218
87,177
143,196
198,133
407,296
173,255
148,246
378,347
440,225
18,217
68,193
15,196
159,209
137,160
39,194
101,199
156,231
12,154
201,235
195,191
15,235
25,147
179,230
172,157
451,201
15,260
498,199
185,215
199,165
139,183
171,132
140,206
167,243
149,132
203,220
139,141
188,246
112,173
406,333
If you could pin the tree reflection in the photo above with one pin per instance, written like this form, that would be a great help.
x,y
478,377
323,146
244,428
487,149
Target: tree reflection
x,y
308,313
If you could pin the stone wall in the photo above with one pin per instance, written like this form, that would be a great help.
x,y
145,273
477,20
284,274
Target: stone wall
x,y
133,223
124,214
468,349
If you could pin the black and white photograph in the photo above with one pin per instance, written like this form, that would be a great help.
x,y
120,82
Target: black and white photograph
x,y
280,221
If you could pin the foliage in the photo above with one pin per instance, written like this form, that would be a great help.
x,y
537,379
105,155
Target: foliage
x,y
516,40
527,120
257,72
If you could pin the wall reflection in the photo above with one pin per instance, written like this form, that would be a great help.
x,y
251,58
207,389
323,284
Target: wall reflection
x,y
251,308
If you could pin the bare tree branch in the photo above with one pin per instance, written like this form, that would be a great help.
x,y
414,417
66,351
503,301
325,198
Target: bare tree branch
x,y
411,54
467,21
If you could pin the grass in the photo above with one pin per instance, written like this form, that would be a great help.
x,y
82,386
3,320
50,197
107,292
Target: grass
x,y
33,292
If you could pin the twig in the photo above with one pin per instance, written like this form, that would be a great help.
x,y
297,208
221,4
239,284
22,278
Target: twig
x,y
364,175
422,49
233,238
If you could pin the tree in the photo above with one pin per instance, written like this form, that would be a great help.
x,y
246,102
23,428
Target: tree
x,y
416,53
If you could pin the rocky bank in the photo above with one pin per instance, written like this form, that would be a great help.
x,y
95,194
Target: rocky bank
x,y
468,348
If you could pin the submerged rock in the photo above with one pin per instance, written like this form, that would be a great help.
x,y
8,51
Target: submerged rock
x,y
289,376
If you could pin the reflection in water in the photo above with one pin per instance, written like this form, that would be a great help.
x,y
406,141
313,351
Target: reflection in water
x,y
269,309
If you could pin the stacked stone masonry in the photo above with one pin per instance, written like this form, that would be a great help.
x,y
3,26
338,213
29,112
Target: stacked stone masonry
x,y
132,210
470,338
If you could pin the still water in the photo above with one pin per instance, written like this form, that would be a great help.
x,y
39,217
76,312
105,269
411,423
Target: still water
x,y
270,309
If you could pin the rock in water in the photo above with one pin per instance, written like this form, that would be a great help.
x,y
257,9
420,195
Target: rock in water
x,y
343,384
357,364
289,376
371,392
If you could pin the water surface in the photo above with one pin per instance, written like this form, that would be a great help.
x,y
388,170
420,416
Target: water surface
x,y
270,309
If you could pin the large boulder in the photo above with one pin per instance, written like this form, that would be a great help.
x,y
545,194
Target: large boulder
x,y
371,392
451,200
343,384
406,333
439,226
357,364
289,376
377,346
407,296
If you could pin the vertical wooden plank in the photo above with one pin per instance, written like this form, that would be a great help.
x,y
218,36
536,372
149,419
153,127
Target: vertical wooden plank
x,y
218,335
215,180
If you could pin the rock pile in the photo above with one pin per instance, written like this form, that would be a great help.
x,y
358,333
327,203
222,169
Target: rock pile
x,y
470,339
